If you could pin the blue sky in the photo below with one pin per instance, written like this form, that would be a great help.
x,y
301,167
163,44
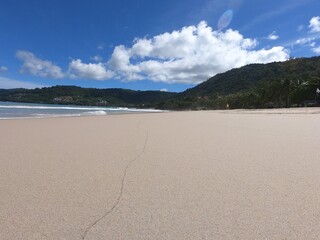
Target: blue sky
x,y
148,45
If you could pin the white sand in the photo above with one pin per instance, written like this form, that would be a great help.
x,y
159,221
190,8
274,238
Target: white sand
x,y
186,175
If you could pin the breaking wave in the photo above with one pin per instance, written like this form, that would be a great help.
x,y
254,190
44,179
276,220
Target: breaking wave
x,y
78,108
21,110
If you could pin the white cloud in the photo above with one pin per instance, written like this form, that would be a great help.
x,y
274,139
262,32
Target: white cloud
x,y
315,24
96,58
95,71
38,67
190,55
312,44
3,69
6,83
309,42
120,62
303,41
273,36
316,50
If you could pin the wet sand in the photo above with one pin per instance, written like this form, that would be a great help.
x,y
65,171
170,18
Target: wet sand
x,y
179,175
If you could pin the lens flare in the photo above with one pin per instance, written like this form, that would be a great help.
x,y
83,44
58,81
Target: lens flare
x,y
225,19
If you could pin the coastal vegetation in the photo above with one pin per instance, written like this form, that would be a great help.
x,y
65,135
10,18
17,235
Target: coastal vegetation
x,y
293,83
86,96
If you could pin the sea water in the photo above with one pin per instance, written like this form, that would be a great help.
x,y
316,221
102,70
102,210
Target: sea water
x,y
10,110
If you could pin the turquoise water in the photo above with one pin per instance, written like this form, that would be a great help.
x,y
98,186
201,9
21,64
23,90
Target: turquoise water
x,y
10,110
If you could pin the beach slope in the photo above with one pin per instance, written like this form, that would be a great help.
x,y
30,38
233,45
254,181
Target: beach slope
x,y
184,175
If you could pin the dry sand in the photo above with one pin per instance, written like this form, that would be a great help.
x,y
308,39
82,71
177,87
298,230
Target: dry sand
x,y
186,175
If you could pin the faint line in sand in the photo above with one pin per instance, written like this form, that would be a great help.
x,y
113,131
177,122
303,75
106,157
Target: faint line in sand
x,y
96,222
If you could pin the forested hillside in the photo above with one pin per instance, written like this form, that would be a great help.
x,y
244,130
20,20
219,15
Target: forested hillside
x,y
279,84
86,96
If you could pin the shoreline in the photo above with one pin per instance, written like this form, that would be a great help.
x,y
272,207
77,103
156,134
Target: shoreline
x,y
10,110
304,110
81,116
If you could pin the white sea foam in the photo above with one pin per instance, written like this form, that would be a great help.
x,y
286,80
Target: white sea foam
x,y
79,108
20,110
52,108
48,115
95,113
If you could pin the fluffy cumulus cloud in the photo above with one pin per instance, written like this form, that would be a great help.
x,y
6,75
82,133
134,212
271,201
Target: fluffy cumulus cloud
x,y
315,24
190,55
273,36
94,71
38,67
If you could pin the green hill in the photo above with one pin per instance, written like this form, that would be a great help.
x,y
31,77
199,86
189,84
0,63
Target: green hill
x,y
86,96
278,84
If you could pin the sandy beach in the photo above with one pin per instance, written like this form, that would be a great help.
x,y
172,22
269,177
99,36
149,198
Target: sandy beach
x,y
178,175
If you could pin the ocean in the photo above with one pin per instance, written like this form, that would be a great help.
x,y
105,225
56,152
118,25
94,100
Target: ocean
x,y
11,110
